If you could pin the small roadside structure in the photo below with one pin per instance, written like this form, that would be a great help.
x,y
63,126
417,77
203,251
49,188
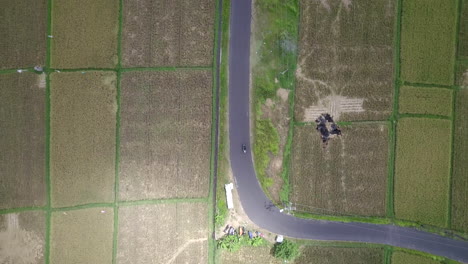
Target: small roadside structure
x,y
279,239
228,188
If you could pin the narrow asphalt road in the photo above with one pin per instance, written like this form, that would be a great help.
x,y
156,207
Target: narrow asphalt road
x,y
260,209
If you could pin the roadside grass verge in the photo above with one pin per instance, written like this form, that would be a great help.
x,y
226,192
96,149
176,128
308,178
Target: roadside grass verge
x,y
273,64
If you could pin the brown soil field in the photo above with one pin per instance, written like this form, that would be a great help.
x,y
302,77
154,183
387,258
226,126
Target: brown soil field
x,y
168,33
349,176
22,237
82,141
425,100
462,75
405,258
249,255
22,125
23,31
460,164
332,255
165,134
345,61
422,168
82,236
84,33
163,233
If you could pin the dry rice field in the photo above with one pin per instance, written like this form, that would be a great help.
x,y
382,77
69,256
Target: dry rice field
x,y
165,134
82,236
345,60
425,100
422,167
84,33
349,176
463,34
163,233
22,141
334,255
23,33
462,75
82,141
22,238
168,33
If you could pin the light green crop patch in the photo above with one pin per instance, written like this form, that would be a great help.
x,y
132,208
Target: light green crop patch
x,y
331,255
82,236
84,33
425,100
82,141
428,41
460,164
405,258
422,169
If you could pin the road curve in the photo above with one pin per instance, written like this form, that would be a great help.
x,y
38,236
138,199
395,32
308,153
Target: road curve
x,y
260,209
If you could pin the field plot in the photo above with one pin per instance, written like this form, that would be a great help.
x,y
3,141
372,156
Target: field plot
x,y
462,75
23,31
82,236
425,100
22,237
349,176
428,41
345,63
405,258
168,33
422,169
84,33
82,144
332,255
22,144
463,34
249,255
163,233
165,134
460,164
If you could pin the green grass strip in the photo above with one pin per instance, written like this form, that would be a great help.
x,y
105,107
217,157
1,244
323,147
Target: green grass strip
x,y
344,219
424,116
390,204
422,85
452,159
388,251
81,206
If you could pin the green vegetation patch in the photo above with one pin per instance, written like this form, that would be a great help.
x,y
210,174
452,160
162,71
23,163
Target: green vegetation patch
x,y
348,176
428,41
82,141
422,170
84,33
163,233
405,258
463,34
22,119
345,63
22,237
266,143
460,164
82,236
425,100
332,255
165,134
168,33
23,33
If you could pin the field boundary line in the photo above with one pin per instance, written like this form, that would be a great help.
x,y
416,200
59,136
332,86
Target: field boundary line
x,y
218,12
388,251
343,123
81,206
7,71
23,209
117,134
428,116
162,201
428,85
175,68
